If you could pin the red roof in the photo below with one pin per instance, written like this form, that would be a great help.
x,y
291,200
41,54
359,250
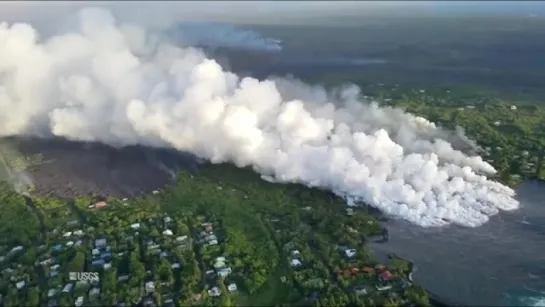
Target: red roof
x,y
386,275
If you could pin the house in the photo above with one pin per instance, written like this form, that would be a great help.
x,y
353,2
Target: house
x,y
95,252
167,219
53,273
349,211
497,123
94,291
67,288
513,108
106,256
175,266
79,301
360,290
51,292
350,253
167,232
224,272
55,267
163,254
295,253
46,261
150,286
100,243
123,278
219,262
78,243
135,226
98,262
56,247
213,242
181,238
383,287
67,234
295,263
16,249
386,275
100,204
232,287
78,233
20,285
214,292
107,266
70,243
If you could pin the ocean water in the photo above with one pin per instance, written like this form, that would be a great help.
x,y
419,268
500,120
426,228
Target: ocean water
x,y
501,263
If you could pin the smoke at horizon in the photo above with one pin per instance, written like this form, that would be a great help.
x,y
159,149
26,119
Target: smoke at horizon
x,y
118,85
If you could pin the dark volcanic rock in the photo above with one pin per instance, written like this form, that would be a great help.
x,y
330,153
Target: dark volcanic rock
x,y
72,169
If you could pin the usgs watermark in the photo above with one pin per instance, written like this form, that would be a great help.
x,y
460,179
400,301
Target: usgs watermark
x,y
84,276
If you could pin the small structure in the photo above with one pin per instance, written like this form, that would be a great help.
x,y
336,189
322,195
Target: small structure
x,y
513,108
232,287
107,266
150,286
224,272
95,252
67,288
67,234
294,263
295,253
20,285
100,204
383,287
51,292
213,242
123,278
167,219
167,232
175,266
386,275
181,238
497,123
94,291
135,226
78,233
79,301
100,243
214,292
70,243
350,253
54,267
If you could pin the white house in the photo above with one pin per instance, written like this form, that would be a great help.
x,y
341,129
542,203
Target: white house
x,y
350,253
232,287
95,252
214,292
167,232
382,288
213,242
16,249
513,108
107,266
20,285
135,226
295,263
79,301
295,253
78,232
67,288
181,238
67,234
51,292
150,286
55,267
175,266
167,219
94,291
70,243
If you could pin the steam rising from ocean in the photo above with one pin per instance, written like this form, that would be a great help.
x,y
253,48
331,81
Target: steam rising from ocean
x,y
120,86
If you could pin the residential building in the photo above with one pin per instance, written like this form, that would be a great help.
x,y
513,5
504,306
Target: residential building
x,y
232,287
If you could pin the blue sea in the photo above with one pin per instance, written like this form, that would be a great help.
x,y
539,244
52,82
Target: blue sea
x,y
501,263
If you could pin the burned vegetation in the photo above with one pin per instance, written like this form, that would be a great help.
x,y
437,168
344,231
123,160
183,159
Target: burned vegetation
x,y
74,169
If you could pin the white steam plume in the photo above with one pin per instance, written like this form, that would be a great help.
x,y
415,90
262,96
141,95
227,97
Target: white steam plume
x,y
106,83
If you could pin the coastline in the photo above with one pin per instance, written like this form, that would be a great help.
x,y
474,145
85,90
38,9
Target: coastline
x,y
435,300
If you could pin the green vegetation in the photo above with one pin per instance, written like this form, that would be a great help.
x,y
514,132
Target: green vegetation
x,y
219,230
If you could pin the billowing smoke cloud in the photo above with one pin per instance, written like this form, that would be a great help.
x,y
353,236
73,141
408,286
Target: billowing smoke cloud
x,y
114,85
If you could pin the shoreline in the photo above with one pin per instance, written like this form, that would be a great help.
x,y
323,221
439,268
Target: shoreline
x,y
435,300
